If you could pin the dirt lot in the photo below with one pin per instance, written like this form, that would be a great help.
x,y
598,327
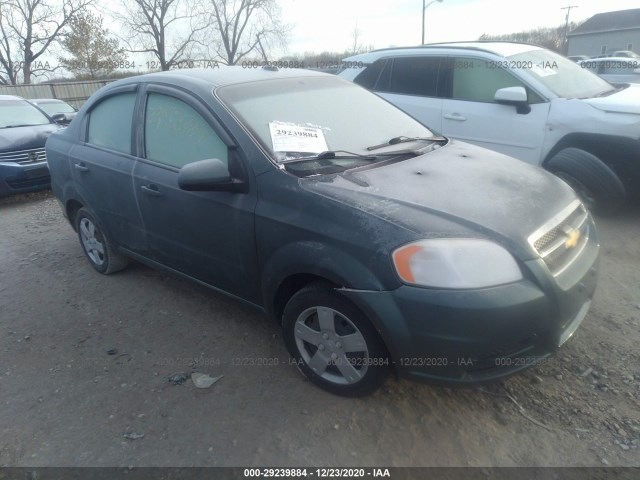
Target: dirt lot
x,y
85,361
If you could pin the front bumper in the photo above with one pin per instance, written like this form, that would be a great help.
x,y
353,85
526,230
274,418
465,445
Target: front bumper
x,y
16,178
469,336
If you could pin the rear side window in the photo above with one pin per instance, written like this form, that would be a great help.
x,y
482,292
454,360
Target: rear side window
x,y
176,134
110,122
369,76
415,76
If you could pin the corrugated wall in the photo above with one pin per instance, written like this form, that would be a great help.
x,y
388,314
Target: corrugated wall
x,y
74,93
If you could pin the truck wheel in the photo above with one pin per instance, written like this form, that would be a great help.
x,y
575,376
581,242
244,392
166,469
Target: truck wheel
x,y
595,183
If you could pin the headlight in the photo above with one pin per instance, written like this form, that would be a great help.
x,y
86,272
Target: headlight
x,y
455,263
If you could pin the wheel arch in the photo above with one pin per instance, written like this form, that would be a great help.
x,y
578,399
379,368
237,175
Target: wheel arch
x,y
617,152
71,207
295,266
72,201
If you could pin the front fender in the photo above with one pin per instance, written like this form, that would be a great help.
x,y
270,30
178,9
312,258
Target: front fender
x,y
320,260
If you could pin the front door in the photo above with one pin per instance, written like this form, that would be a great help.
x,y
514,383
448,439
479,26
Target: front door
x,y
470,114
207,235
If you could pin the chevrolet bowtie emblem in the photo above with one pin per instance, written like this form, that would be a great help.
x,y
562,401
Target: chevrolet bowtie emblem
x,y
573,237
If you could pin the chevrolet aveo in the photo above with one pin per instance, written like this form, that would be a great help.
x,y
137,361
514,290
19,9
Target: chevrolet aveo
x,y
376,244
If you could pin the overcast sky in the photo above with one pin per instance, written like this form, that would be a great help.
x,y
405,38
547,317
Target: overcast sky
x,y
328,24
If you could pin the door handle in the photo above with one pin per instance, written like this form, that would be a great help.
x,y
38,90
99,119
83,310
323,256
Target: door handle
x,y
151,190
455,116
81,167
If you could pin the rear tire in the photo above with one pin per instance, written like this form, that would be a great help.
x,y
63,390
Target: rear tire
x,y
595,183
333,343
96,246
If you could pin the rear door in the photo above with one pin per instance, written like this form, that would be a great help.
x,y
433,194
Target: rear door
x,y
470,114
207,235
410,83
102,165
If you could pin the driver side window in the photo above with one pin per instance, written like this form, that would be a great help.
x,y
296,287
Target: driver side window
x,y
477,80
176,134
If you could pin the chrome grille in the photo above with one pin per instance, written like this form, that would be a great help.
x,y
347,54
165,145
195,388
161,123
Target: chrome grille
x,y
562,239
24,157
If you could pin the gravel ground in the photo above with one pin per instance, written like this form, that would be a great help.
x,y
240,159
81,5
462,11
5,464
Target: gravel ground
x,y
85,361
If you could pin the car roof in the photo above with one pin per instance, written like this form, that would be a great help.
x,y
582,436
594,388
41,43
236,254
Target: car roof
x,y
503,49
612,59
220,76
46,100
10,97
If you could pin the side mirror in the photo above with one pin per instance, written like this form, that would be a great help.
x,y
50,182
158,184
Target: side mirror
x,y
208,175
60,118
516,96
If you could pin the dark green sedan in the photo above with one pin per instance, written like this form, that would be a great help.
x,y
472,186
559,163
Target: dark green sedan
x,y
376,243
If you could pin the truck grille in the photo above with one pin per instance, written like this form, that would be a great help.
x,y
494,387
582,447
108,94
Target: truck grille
x,y
561,240
24,157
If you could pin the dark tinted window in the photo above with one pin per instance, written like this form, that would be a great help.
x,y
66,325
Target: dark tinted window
x,y
369,75
110,122
415,76
176,134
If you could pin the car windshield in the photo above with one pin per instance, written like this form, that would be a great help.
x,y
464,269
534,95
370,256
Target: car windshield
x,y
304,116
19,113
55,107
563,77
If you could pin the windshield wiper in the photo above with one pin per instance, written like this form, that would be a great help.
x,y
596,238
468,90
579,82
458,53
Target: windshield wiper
x,y
403,139
24,125
329,155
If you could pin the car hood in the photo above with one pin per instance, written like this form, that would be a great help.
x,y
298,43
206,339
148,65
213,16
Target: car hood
x,y
478,190
624,101
25,138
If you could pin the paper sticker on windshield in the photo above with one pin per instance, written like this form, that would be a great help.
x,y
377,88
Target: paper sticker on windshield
x,y
294,138
543,70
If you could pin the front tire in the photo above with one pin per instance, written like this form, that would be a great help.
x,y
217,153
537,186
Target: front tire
x,y
333,343
96,246
596,184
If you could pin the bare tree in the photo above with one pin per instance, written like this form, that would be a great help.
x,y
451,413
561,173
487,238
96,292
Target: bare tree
x,y
355,35
169,29
245,27
9,73
93,53
548,37
29,28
